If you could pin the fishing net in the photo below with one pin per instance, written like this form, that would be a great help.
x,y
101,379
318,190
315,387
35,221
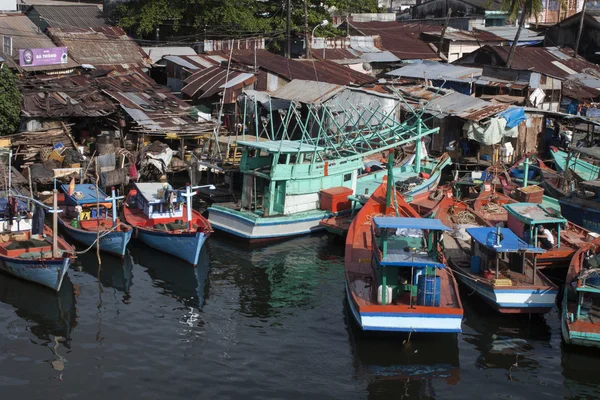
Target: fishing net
x,y
409,183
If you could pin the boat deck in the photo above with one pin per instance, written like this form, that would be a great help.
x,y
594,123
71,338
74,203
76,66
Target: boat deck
x,y
458,253
589,322
361,276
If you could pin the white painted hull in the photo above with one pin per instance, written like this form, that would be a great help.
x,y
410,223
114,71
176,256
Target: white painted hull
x,y
513,300
235,223
405,322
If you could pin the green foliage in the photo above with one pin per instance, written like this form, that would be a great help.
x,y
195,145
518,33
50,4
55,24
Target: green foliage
x,y
225,19
10,103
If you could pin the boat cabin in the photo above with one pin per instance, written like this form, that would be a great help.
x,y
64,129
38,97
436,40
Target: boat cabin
x,y
156,202
16,220
285,176
85,197
500,249
405,259
524,218
587,289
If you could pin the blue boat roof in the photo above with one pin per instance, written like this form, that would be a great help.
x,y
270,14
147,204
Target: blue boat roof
x,y
89,194
509,242
534,214
410,223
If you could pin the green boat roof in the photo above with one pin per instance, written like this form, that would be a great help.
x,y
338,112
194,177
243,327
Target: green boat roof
x,y
534,214
282,146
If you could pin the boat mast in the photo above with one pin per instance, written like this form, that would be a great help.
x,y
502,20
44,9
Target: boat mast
x,y
390,181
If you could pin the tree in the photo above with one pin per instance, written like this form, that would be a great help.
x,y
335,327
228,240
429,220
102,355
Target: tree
x,y
10,102
523,9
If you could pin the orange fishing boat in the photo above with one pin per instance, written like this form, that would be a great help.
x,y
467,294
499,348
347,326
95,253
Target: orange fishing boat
x,y
396,276
490,205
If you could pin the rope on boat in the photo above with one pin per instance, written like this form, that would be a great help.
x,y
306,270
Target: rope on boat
x,y
492,208
438,194
103,234
464,218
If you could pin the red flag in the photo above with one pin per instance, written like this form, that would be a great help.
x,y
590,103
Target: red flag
x,y
71,191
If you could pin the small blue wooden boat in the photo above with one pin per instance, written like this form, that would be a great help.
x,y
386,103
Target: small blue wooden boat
x,y
81,219
498,271
166,222
581,298
27,252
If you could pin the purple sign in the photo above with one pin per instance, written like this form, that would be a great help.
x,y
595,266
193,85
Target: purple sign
x,y
37,57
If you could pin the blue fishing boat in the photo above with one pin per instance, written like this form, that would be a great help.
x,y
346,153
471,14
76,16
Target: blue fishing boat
x,y
497,270
164,220
85,218
581,298
29,249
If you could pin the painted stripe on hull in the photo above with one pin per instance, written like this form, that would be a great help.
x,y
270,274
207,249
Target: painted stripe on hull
x,y
49,273
513,301
184,246
246,229
404,322
113,243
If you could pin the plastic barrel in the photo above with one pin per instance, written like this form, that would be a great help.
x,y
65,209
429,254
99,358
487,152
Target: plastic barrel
x,y
475,264
428,291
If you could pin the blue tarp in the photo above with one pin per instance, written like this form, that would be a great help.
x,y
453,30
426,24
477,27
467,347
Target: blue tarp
x,y
89,193
509,242
410,223
22,205
513,116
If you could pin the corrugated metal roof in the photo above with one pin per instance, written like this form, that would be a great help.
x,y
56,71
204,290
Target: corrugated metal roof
x,y
448,102
181,61
308,92
156,53
508,32
25,35
152,106
403,40
208,82
324,70
383,56
71,16
436,70
71,96
103,45
453,34
542,59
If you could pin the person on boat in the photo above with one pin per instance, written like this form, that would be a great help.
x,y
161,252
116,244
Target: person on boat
x,y
545,238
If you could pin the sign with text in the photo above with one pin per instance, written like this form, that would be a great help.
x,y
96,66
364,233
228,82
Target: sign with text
x,y
38,57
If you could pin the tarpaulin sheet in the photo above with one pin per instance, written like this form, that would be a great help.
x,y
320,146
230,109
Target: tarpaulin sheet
x,y
490,133
514,116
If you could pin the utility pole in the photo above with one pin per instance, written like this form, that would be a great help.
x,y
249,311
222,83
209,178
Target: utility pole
x,y
288,29
444,33
582,18
306,46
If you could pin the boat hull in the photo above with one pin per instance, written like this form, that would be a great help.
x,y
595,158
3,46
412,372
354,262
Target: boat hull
x,y
432,321
114,243
586,217
265,229
185,246
513,300
46,272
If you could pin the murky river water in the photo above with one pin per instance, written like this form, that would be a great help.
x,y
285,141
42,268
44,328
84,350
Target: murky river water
x,y
263,323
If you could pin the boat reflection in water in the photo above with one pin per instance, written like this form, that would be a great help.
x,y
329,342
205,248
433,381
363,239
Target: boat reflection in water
x,y
178,279
397,368
53,314
505,342
115,273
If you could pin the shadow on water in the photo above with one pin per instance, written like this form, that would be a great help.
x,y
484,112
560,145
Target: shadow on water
x,y
503,341
54,314
396,367
579,368
178,279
